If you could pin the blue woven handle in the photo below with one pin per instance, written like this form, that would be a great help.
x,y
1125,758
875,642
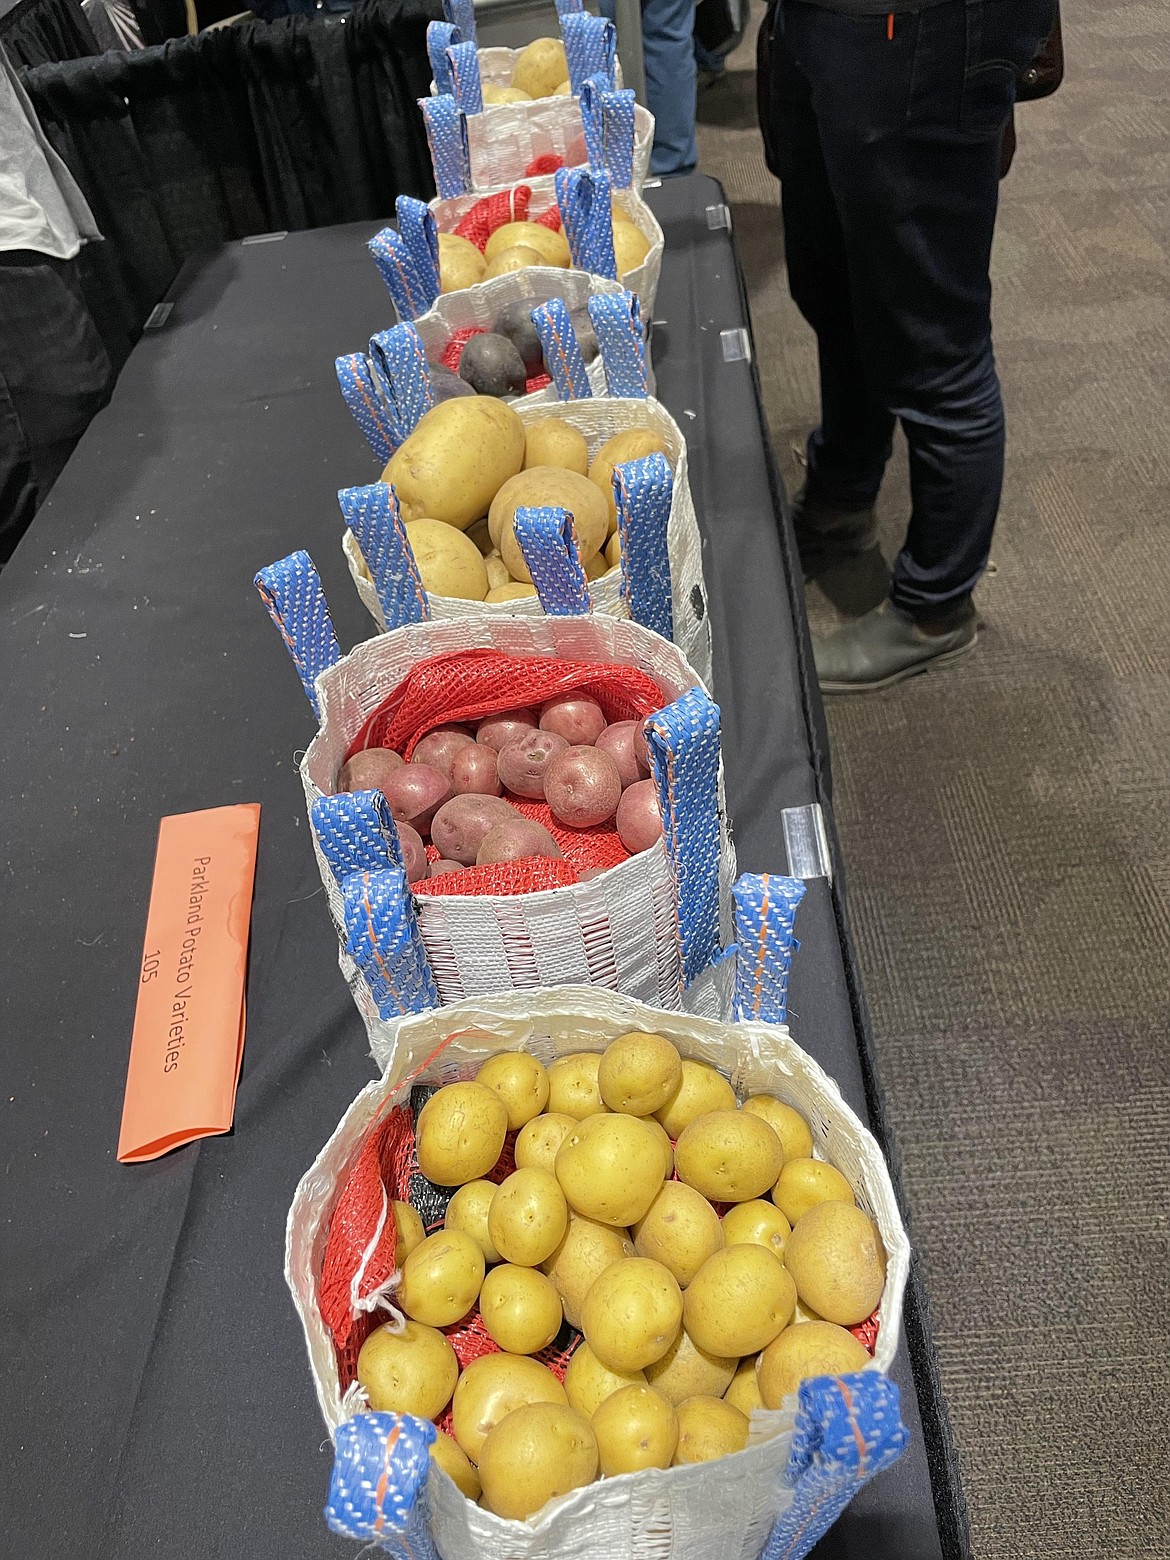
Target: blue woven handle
x,y
291,590
608,118
765,913
848,1428
400,362
562,351
369,410
440,37
373,515
617,323
549,544
447,138
643,490
416,224
380,1467
396,266
590,48
463,59
684,760
462,14
384,941
356,833
583,198
568,8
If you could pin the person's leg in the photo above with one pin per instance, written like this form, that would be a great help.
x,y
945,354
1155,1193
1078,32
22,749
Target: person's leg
x,y
668,52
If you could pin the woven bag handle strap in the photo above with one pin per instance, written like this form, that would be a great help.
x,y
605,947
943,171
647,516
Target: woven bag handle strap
x,y
384,941
356,833
568,8
590,48
848,1428
420,234
466,86
446,130
396,267
683,740
440,37
549,544
376,1490
765,913
562,351
583,196
291,590
462,14
608,118
373,514
617,323
643,491
369,410
399,361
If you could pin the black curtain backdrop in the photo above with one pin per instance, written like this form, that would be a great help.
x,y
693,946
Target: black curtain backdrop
x,y
261,127
37,32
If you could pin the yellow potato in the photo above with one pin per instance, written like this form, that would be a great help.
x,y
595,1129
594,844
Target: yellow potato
x,y
786,1122
630,247
497,573
813,1349
805,1182
520,1308
702,1089
639,1073
409,1232
540,67
596,567
631,444
610,1168
468,1211
520,1081
461,263
613,549
448,563
757,1223
739,1300
494,94
804,1313
744,1391
728,1156
491,1388
513,592
837,1260
441,1279
680,1229
632,1314
461,1131
664,1143
528,1217
586,1250
520,257
537,1143
547,485
564,90
572,1086
554,442
410,1372
553,247
708,1428
458,457
686,1371
456,1464
636,1428
534,1455
588,1382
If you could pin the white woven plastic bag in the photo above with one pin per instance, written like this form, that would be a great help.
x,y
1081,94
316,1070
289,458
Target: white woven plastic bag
x,y
803,1461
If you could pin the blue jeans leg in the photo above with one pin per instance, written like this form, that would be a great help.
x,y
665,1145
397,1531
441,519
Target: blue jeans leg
x,y
668,49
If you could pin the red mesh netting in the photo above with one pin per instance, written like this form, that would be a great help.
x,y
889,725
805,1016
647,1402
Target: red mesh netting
x,y
867,1332
550,219
453,351
492,212
547,162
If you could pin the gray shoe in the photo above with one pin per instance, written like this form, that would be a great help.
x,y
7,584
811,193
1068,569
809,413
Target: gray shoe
x,y
826,536
884,647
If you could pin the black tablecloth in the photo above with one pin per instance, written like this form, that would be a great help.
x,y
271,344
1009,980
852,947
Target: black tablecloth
x,y
156,1396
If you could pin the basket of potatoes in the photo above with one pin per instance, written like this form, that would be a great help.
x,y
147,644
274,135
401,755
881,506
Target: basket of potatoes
x,y
579,1276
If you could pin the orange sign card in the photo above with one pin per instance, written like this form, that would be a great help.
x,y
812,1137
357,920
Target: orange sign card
x,y
189,1025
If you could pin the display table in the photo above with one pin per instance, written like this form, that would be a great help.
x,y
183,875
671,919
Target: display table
x,y
157,1400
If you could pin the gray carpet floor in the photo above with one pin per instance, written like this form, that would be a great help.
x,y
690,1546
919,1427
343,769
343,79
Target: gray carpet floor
x,y
1006,825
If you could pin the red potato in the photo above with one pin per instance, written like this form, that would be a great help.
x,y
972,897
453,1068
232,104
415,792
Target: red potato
x,y
439,747
582,787
365,771
522,764
475,771
415,793
639,818
439,867
414,852
497,731
574,716
625,744
459,826
515,839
